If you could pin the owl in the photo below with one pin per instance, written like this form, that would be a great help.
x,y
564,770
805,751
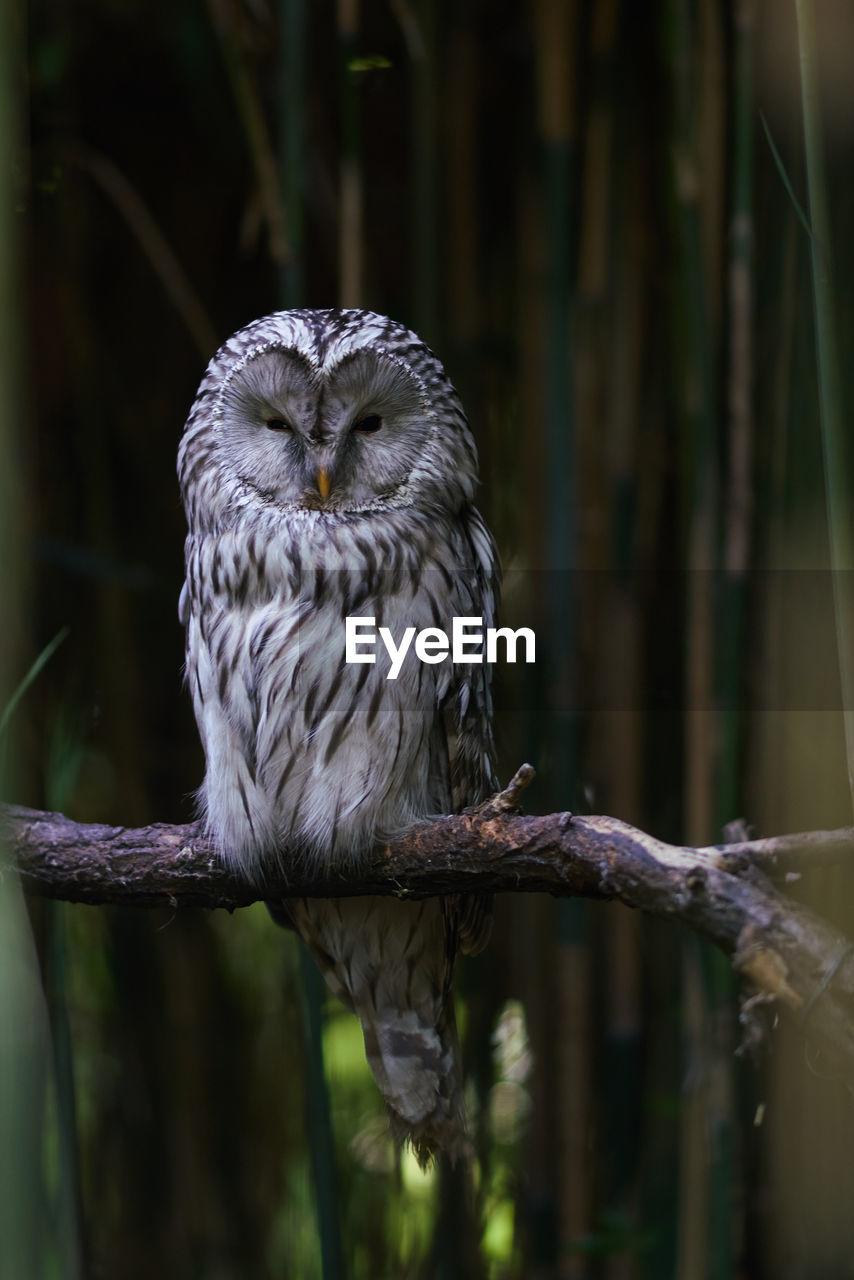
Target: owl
x,y
328,471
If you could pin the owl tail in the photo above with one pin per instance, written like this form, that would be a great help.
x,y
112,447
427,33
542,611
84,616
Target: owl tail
x,y
389,962
417,1067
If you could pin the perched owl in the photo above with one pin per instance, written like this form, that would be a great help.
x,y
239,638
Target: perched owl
x,y
328,471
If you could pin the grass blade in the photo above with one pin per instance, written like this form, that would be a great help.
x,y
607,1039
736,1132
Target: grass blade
x,y
784,177
40,663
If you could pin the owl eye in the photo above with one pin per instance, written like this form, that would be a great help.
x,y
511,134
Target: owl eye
x,y
278,424
367,426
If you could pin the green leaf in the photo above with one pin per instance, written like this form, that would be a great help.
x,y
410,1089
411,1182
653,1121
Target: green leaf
x,y
781,169
41,661
369,62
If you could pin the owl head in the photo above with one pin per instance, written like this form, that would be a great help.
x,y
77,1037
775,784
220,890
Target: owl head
x,y
341,411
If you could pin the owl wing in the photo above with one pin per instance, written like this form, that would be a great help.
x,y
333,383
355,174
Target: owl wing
x,y
467,704
467,718
184,605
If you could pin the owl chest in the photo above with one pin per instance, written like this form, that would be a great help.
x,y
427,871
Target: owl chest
x,y
331,751
302,676
301,710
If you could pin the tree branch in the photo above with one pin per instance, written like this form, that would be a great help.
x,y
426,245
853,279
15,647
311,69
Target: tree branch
x,y
793,958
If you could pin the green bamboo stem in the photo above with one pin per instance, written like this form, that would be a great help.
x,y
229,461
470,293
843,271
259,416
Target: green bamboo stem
x,y
319,1121
23,1026
738,499
69,1193
558,35
835,450
350,217
739,484
700,487
425,208
319,1131
704,1227
619,1088
291,145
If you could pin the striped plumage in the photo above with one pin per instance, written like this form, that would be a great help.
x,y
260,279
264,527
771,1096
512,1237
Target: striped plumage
x,y
327,470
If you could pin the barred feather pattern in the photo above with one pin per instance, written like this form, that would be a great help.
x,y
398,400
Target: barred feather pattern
x,y
309,757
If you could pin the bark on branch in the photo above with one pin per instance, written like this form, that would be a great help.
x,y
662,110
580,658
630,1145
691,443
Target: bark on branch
x,y
792,958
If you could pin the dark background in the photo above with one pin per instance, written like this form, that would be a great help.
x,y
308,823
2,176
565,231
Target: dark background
x,y
578,207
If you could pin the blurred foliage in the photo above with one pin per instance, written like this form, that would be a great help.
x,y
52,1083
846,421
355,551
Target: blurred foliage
x,y
578,208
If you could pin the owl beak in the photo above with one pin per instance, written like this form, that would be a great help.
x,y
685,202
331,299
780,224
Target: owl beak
x,y
323,482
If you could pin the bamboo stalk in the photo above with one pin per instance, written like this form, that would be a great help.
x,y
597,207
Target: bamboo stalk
x,y
700,472
320,1135
292,21
620,730
151,241
702,1172
531,954
350,234
23,1041
557,29
736,549
70,1206
835,447
739,491
256,129
319,1121
460,129
424,203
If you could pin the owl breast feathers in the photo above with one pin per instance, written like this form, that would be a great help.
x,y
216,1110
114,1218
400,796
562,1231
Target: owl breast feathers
x,y
328,471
